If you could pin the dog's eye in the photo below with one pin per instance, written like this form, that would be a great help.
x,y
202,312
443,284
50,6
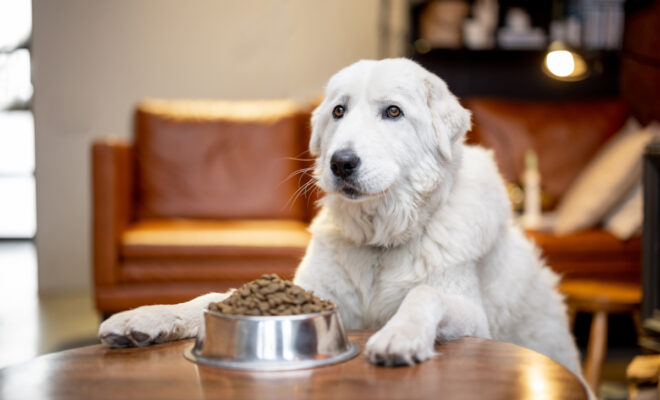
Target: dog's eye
x,y
393,112
338,112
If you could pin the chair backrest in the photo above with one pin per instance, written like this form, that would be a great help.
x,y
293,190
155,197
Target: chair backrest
x,y
565,135
220,159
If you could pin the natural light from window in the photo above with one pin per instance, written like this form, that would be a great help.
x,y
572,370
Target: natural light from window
x,y
17,185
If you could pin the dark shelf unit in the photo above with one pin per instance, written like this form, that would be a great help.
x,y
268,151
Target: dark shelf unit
x,y
518,74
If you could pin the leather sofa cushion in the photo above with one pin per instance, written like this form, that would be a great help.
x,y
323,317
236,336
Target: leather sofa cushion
x,y
565,135
226,252
215,159
591,253
208,238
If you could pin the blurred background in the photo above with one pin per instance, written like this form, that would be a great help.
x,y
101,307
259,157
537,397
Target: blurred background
x,y
92,62
74,71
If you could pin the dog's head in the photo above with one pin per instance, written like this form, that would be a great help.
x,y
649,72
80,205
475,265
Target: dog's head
x,y
382,123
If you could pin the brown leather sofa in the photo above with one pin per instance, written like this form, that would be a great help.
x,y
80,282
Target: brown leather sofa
x,y
565,135
201,201
205,199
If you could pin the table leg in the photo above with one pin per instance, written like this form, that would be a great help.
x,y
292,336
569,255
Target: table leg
x,y
596,349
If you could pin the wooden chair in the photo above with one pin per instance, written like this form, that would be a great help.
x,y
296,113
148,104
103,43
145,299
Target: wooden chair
x,y
600,298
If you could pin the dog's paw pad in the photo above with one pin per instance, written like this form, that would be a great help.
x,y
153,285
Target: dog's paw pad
x,y
114,340
162,337
377,359
140,338
399,360
393,360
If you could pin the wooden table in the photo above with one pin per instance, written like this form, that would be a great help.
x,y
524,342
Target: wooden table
x,y
467,368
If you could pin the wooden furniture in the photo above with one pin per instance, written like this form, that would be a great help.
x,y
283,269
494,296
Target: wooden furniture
x,y
468,368
204,199
642,376
601,298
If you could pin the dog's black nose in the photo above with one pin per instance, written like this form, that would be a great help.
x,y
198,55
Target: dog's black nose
x,y
344,162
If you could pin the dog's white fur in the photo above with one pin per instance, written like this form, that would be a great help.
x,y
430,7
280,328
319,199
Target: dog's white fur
x,y
423,248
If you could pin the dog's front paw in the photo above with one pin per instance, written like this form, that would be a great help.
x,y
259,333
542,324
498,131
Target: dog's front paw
x,y
142,326
399,345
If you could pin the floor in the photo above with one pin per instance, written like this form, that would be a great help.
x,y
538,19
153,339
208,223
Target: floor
x,y
613,384
31,325
621,349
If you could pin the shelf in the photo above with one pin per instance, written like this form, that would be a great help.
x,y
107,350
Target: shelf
x,y
517,74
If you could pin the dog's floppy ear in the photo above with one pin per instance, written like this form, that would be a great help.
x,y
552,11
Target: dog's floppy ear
x,y
449,119
315,138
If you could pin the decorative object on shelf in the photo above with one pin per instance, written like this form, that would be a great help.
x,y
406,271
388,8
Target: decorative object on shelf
x,y
516,196
440,25
531,218
478,32
564,64
603,24
519,32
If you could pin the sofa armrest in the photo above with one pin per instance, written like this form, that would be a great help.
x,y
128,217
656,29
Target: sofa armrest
x,y
113,203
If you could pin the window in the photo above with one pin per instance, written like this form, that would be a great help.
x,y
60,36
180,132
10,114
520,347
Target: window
x,y
17,186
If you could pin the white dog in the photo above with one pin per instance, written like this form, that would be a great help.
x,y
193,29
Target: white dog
x,y
415,237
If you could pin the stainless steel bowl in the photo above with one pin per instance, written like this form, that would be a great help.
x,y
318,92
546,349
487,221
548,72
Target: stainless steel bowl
x,y
269,343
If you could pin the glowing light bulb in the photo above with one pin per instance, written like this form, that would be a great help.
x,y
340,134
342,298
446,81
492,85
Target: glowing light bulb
x,y
560,63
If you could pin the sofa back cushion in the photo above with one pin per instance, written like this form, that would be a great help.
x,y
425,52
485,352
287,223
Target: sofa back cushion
x,y
219,159
565,135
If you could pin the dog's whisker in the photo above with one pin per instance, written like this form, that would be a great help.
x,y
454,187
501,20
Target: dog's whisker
x,y
302,190
301,172
310,187
307,174
300,159
294,197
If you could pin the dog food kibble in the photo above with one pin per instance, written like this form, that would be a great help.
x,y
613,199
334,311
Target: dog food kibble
x,y
271,295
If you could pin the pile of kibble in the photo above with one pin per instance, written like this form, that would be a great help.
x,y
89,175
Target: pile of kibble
x,y
271,295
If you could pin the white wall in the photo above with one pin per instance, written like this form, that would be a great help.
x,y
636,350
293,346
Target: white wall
x,y
94,59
